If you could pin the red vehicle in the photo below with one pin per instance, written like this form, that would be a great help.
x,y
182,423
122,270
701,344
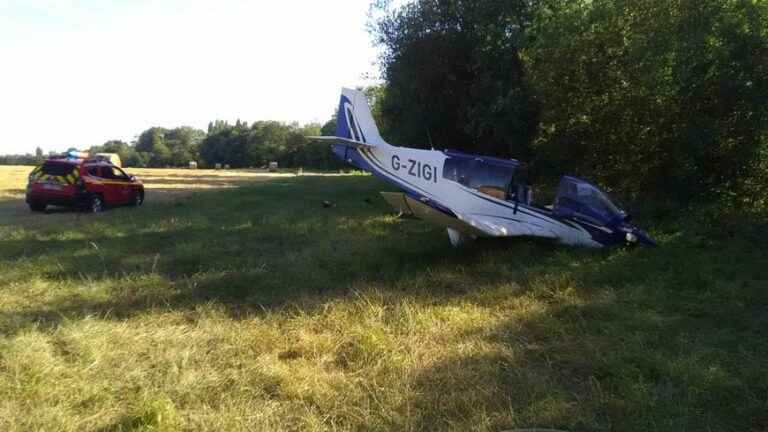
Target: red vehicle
x,y
84,183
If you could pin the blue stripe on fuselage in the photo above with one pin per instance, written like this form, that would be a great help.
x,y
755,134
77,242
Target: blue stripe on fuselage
x,y
379,169
368,162
342,128
521,208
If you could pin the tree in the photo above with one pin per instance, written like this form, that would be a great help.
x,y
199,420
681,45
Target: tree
x,y
651,96
149,138
329,128
376,96
226,144
183,144
122,149
455,76
175,147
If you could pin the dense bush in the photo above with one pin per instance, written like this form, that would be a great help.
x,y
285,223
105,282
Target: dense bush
x,y
653,97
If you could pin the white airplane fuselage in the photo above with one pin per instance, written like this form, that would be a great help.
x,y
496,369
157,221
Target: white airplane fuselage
x,y
473,195
420,174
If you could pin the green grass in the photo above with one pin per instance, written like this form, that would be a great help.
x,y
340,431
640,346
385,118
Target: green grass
x,y
258,309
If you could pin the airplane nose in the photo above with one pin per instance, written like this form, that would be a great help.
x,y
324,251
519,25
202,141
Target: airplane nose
x,y
635,236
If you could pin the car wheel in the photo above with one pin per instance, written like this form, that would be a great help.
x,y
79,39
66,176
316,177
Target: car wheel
x,y
37,206
138,198
96,204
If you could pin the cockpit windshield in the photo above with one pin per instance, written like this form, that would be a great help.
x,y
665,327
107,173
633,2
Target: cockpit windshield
x,y
577,197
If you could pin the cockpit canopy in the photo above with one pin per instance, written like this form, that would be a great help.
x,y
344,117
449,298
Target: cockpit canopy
x,y
578,198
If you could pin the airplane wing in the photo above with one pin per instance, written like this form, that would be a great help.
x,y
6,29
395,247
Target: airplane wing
x,y
527,228
489,229
339,140
467,225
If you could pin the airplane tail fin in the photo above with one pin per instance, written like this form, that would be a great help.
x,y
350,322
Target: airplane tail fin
x,y
354,120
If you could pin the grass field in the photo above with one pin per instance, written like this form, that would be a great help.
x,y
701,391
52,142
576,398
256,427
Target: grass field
x,y
216,308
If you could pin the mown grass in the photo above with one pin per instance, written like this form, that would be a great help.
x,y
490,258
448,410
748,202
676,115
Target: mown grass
x,y
256,308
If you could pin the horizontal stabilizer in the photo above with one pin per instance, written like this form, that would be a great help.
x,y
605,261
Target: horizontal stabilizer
x,y
338,140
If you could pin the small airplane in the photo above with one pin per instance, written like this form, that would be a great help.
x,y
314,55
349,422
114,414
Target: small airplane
x,y
476,196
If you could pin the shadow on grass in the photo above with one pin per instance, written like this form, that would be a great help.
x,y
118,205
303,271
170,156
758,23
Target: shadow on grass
x,y
246,280
647,339
666,339
205,182
251,248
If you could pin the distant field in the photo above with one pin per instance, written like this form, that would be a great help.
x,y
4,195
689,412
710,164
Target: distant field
x,y
160,184
13,179
236,301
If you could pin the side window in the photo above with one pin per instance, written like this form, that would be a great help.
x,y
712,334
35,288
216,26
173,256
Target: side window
x,y
117,173
94,171
36,173
490,179
456,169
487,178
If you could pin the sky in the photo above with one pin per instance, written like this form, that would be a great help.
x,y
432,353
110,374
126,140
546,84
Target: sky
x,y
79,73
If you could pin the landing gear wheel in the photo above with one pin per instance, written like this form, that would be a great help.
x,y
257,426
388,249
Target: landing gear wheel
x,y
37,206
95,204
458,238
138,198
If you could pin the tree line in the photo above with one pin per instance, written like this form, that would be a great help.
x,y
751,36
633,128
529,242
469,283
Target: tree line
x,y
655,98
24,159
238,145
